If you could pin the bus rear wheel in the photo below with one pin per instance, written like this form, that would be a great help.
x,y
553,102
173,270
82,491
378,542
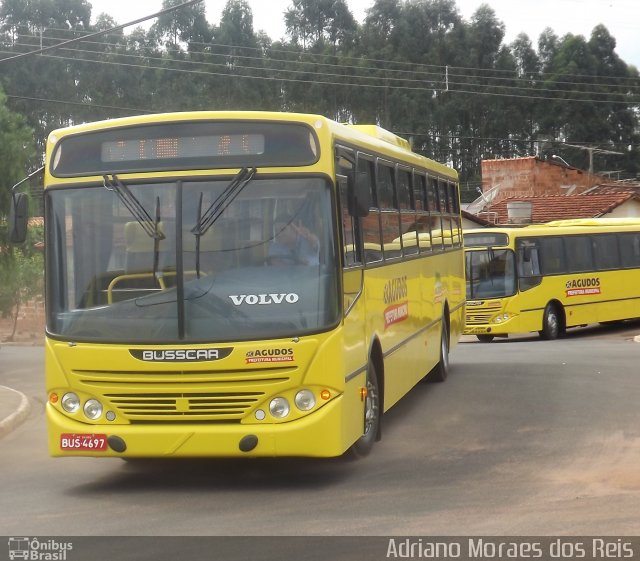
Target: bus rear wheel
x,y
551,323
441,370
372,412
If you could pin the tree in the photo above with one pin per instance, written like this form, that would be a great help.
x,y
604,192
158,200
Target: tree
x,y
16,153
316,21
179,25
18,279
528,69
414,66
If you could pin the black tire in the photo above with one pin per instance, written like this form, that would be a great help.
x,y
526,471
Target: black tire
x,y
485,338
551,323
441,370
372,411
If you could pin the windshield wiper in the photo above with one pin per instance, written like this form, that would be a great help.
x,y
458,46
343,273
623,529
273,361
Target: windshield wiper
x,y
218,206
137,210
135,207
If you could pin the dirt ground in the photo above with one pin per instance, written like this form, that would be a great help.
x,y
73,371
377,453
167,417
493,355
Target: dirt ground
x,y
30,328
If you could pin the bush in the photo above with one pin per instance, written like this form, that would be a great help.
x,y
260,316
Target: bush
x,y
21,274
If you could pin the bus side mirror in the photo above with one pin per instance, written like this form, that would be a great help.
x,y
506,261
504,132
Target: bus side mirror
x,y
360,194
18,218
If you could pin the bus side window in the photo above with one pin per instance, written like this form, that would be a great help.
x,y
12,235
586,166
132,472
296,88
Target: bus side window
x,y
552,256
435,212
422,213
351,255
371,233
528,263
606,254
389,214
407,213
630,250
579,253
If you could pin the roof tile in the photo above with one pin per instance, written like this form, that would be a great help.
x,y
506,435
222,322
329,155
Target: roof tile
x,y
556,207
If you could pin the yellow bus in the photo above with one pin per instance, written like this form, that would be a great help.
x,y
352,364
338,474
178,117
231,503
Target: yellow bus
x,y
550,277
242,284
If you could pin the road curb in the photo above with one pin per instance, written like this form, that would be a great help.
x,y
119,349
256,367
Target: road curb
x,y
16,417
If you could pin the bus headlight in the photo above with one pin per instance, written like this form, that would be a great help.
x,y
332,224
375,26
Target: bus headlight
x,y
500,318
279,407
93,409
70,402
305,400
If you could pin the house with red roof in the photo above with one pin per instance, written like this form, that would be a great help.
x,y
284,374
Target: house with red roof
x,y
534,210
533,190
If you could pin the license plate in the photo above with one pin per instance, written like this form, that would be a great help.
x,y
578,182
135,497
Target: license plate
x,y
95,442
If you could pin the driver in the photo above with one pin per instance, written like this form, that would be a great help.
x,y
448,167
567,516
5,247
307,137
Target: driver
x,y
293,244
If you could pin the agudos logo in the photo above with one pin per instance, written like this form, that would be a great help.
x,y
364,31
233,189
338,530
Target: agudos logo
x,y
270,355
583,287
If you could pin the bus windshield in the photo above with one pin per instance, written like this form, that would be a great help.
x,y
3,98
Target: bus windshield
x,y
490,273
212,263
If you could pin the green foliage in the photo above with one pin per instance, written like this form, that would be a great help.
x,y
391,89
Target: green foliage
x,y
21,274
16,152
415,67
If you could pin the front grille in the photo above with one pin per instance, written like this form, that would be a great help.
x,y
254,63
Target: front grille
x,y
479,315
187,396
477,318
183,406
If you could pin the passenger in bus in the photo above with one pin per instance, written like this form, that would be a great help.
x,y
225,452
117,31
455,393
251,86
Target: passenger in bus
x,y
293,244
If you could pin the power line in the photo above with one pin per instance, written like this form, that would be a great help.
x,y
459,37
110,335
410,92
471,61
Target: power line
x,y
99,33
79,103
405,83
319,81
438,77
413,65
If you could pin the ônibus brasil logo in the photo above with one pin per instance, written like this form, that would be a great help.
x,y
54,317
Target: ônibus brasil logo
x,y
38,550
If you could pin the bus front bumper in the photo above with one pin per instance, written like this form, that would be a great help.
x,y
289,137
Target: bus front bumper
x,y
485,330
497,328
319,434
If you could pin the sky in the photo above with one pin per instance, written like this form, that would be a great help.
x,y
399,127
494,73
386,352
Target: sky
x,y
579,17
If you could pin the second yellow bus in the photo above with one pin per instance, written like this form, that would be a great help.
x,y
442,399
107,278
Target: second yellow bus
x,y
550,277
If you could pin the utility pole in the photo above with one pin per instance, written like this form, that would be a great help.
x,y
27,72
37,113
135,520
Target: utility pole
x,y
593,150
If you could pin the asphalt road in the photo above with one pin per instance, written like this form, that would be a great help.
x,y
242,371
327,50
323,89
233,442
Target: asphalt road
x,y
526,437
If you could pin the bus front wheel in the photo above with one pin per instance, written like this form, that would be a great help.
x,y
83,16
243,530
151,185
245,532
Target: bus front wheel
x,y
551,323
485,338
364,444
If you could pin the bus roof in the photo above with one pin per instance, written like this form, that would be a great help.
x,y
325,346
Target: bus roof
x,y
553,228
382,134
372,136
605,222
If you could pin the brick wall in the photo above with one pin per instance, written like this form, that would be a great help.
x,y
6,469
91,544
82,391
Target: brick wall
x,y
531,176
